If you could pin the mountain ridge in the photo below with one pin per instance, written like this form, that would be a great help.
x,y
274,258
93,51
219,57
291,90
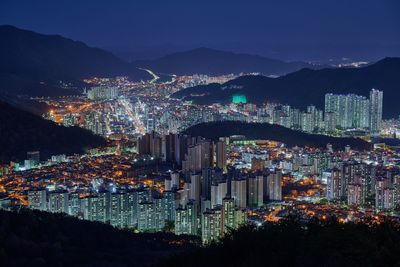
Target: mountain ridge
x,y
211,61
307,87
33,63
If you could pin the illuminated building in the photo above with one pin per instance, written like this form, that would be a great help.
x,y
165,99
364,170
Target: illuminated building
x,y
151,215
239,192
175,180
255,191
239,99
146,217
376,103
96,208
103,93
330,122
228,214
198,157
93,122
181,221
354,195
195,187
131,203
389,199
37,199
186,219
221,155
58,202
151,124
74,204
159,213
306,122
211,228
169,205
218,192
274,185
138,196
334,185
380,194
69,120
240,217
167,184
118,210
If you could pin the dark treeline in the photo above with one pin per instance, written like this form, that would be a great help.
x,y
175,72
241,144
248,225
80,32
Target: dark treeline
x,y
34,238
214,130
291,243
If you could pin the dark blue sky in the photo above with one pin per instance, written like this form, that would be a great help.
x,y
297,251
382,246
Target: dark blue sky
x,y
297,29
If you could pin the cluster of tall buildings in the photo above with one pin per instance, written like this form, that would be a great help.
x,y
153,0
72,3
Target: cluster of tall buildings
x,y
354,111
204,198
190,153
208,203
307,121
94,123
341,112
362,184
211,201
211,198
103,93
143,209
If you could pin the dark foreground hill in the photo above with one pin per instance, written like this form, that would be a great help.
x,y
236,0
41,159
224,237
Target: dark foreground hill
x,y
308,87
34,238
266,131
21,131
215,62
34,64
290,243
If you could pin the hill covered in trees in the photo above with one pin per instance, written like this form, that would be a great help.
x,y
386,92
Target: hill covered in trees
x,y
266,131
34,238
292,243
21,131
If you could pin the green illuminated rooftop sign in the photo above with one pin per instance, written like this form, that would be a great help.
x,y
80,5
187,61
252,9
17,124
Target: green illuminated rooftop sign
x,y
239,99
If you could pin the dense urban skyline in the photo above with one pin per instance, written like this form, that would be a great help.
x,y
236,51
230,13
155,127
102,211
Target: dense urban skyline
x,y
203,157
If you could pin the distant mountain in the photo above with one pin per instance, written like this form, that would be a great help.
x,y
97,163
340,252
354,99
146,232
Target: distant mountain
x,y
21,131
266,131
50,239
215,62
306,86
33,64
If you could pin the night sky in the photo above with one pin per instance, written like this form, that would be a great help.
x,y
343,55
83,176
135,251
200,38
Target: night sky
x,y
306,29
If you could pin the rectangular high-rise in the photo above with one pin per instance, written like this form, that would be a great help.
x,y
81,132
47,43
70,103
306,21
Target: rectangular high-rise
x,y
376,104
255,193
221,155
37,199
239,193
274,185
58,202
